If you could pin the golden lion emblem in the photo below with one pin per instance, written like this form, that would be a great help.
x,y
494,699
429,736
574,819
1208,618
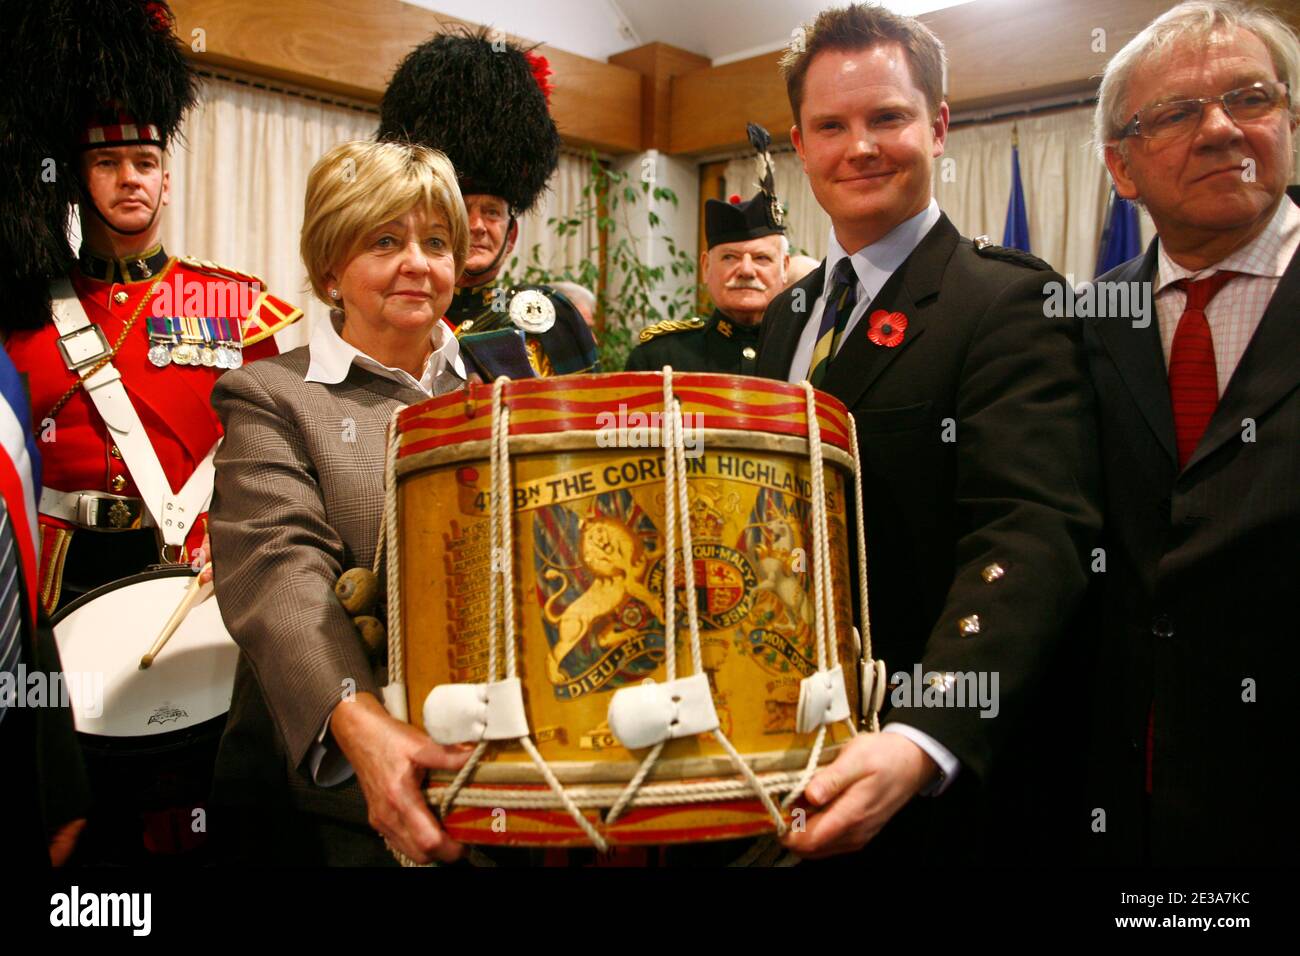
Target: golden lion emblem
x,y
618,562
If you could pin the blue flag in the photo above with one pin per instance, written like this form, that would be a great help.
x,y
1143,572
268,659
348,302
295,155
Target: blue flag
x,y
1120,240
1016,233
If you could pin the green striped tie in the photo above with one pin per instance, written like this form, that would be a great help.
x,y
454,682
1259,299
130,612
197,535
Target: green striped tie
x,y
835,315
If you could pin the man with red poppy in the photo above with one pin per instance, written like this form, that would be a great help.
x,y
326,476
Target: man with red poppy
x,y
977,447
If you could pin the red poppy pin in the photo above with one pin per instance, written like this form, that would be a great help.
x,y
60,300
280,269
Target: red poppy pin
x,y
886,328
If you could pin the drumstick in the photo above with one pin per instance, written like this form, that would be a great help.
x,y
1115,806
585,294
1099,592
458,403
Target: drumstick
x,y
195,595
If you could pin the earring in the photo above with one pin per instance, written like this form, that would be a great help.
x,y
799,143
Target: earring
x,y
334,293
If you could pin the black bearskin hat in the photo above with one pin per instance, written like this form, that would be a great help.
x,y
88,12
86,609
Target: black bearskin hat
x,y
483,102
70,64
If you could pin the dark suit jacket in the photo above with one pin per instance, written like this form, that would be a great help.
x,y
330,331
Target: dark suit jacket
x,y
980,363
1198,597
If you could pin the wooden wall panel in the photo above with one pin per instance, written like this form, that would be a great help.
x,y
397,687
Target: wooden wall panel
x,y
999,52
710,107
658,63
351,47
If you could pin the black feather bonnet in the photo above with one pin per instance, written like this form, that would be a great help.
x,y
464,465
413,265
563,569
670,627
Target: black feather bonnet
x,y
72,69
483,101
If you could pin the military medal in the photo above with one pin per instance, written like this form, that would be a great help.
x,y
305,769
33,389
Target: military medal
x,y
162,339
532,311
221,354
230,354
196,340
208,354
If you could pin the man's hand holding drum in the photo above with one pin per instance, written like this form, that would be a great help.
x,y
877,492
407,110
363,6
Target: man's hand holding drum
x,y
978,460
854,797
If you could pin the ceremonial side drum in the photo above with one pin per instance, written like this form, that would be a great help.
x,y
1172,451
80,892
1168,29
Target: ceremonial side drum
x,y
586,472
150,736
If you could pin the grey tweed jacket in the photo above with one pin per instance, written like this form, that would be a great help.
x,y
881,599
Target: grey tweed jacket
x,y
298,500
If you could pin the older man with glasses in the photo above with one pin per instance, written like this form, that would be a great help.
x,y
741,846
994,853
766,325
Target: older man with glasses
x,y
1200,425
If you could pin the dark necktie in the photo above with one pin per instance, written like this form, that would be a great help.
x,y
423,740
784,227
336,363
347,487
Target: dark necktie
x,y
835,316
1193,378
1194,391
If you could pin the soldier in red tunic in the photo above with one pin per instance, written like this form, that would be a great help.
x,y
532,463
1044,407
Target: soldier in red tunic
x,y
120,377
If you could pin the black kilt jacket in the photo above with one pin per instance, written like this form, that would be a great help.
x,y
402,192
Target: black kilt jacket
x,y
979,471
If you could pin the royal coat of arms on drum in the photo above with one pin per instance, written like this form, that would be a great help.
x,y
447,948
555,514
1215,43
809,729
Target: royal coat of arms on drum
x,y
502,498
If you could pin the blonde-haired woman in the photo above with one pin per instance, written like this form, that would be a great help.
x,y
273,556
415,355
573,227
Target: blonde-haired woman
x,y
311,765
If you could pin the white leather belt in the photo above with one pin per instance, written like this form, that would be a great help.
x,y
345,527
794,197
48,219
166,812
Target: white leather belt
x,y
96,510
173,514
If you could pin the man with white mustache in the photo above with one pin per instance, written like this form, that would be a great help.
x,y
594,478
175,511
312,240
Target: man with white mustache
x,y
743,268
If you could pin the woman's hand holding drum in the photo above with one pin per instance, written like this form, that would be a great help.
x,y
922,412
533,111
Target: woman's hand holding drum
x,y
390,759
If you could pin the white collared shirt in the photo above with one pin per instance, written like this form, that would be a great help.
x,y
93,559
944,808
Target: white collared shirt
x,y
1234,313
331,357
874,264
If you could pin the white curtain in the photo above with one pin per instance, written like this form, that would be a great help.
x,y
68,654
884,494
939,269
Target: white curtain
x,y
239,173
806,225
238,177
538,244
1066,186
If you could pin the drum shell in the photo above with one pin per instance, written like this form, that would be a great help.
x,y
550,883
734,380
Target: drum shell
x,y
750,497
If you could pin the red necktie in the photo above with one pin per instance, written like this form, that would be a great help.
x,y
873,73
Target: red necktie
x,y
1193,380
1194,389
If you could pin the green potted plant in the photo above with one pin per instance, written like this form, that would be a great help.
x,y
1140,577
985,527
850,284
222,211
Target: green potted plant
x,y
629,292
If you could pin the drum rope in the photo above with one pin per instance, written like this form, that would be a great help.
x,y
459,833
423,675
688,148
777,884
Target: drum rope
x,y
822,578
865,611
678,526
388,539
670,593
386,554
824,617
501,617
651,794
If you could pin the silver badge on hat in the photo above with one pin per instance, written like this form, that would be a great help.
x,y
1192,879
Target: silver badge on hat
x,y
532,311
777,210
